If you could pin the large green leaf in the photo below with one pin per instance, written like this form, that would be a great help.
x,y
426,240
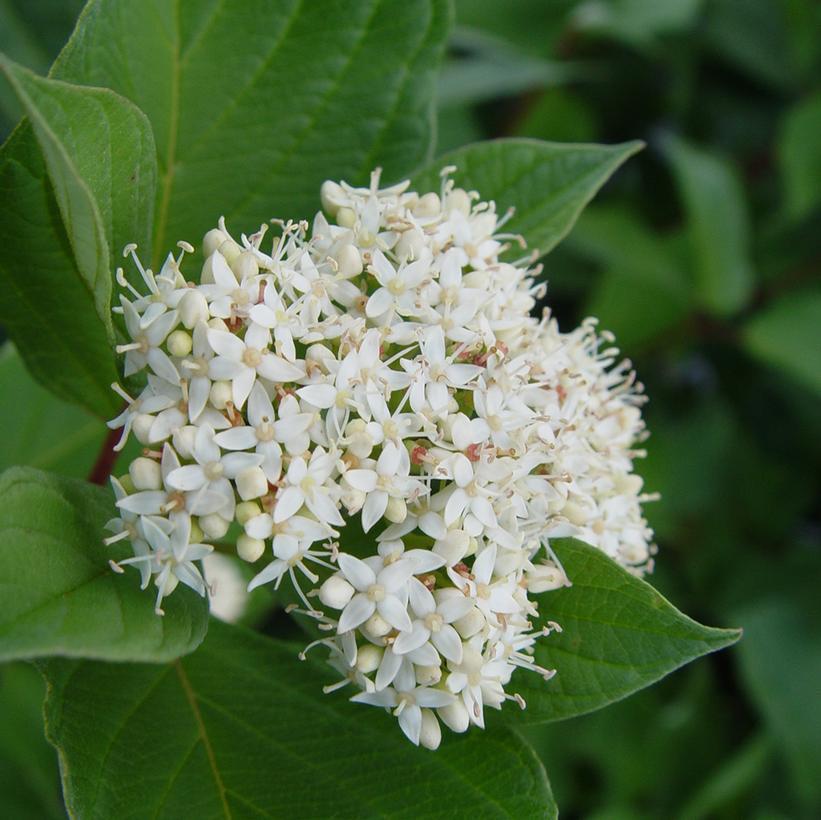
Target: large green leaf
x,y
254,104
60,597
241,729
787,335
29,780
547,183
86,186
50,434
800,156
618,636
99,152
45,305
718,222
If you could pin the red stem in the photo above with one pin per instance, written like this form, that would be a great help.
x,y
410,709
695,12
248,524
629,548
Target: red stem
x,y
105,459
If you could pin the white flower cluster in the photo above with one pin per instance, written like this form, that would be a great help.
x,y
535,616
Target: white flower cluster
x,y
377,385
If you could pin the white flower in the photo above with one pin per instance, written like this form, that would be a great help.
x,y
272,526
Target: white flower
x,y
385,592
376,384
212,469
240,364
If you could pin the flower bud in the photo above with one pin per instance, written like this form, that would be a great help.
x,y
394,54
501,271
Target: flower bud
x,y
245,265
214,525
183,440
470,624
396,511
332,197
544,577
428,675
193,308
458,200
145,474
179,343
431,735
251,483
376,626
455,716
127,484
345,218
212,240
368,658
141,427
428,205
250,549
245,511
221,393
230,250
196,532
335,592
349,261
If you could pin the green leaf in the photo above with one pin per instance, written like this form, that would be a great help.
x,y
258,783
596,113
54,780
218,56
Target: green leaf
x,y
45,305
780,661
618,636
241,728
50,434
643,289
547,183
303,91
94,157
29,779
719,226
800,157
60,597
99,151
787,336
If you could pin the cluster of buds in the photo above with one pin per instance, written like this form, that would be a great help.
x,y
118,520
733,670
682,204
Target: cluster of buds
x,y
372,410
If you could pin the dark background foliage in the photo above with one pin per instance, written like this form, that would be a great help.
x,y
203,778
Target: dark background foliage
x,y
703,256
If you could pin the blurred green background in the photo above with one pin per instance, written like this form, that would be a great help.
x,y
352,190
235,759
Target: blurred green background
x,y
703,255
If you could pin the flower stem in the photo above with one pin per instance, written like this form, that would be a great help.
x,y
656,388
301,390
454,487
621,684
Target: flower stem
x,y
105,459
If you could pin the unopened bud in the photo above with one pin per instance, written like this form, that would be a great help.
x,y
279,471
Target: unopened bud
x,y
141,427
345,218
544,577
376,626
127,484
245,265
368,658
230,251
332,196
428,675
349,261
245,511
250,549
179,343
214,525
396,511
455,716
145,474
212,240
221,393
335,592
193,309
428,205
470,624
218,324
196,532
458,200
431,735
